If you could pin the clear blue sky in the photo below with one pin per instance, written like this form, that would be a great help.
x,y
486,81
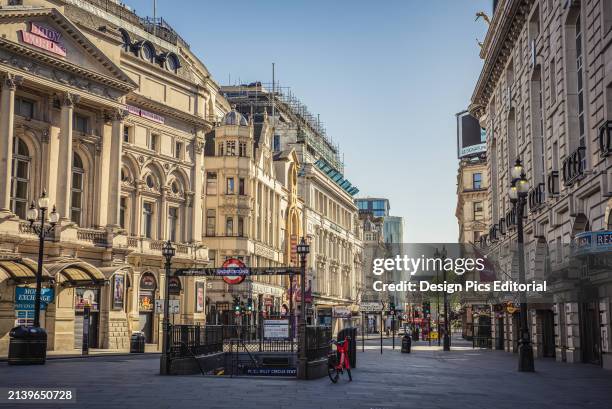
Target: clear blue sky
x,y
386,77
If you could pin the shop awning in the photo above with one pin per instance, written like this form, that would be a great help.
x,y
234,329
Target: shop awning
x,y
21,271
77,273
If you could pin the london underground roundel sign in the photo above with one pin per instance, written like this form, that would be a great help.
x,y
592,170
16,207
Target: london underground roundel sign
x,y
236,271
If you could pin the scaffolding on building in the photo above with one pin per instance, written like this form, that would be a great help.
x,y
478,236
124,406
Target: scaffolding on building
x,y
274,97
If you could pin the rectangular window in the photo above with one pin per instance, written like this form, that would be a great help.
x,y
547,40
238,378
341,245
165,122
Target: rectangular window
x,y
229,226
147,220
173,216
153,141
211,183
478,211
76,199
477,181
242,150
24,107
220,150
241,186
126,133
553,81
231,148
122,211
80,123
211,222
477,236
580,88
276,146
230,186
240,226
178,150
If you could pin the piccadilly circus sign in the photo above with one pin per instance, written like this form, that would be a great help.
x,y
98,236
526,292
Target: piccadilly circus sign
x,y
43,37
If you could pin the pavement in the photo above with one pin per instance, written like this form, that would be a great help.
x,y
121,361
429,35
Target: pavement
x,y
426,378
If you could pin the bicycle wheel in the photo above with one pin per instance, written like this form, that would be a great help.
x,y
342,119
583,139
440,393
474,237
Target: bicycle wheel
x,y
332,372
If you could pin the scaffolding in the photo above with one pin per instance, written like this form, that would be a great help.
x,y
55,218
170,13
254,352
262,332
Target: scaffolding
x,y
310,129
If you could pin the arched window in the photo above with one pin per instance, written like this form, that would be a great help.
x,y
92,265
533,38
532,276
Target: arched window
x,y
76,201
20,177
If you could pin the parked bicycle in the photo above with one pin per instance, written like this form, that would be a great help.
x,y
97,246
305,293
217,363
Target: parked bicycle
x,y
338,360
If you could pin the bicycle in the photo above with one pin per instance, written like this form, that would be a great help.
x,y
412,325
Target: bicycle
x,y
336,367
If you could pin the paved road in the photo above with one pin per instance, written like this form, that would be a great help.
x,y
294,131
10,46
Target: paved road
x,y
425,378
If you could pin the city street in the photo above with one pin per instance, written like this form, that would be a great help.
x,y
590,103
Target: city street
x,y
425,378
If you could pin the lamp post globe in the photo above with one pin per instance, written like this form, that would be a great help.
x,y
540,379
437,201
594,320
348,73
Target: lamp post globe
x,y
302,249
518,196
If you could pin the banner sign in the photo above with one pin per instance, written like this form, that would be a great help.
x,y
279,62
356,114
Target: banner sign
x,y
45,38
145,114
272,371
276,329
371,307
341,312
24,298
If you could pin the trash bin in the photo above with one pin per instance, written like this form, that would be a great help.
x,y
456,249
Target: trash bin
x,y
352,349
27,346
137,343
406,343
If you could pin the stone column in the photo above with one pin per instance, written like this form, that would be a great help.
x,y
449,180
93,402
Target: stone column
x,y
114,177
7,117
64,169
196,183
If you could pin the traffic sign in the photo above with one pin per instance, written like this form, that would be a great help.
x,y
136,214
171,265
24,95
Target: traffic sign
x,y
234,274
370,307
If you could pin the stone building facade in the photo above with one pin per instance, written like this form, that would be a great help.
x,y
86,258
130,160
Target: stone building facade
x,y
107,113
545,96
330,218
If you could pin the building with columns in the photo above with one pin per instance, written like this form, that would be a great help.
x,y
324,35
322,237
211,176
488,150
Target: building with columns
x,y
330,218
544,95
107,113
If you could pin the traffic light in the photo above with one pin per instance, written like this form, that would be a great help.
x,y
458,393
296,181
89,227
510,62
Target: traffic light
x,y
426,309
237,307
250,305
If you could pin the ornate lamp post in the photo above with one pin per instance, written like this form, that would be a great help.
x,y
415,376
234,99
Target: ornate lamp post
x,y
302,250
42,231
518,196
168,252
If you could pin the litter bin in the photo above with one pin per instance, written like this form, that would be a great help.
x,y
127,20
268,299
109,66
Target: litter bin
x,y
406,343
27,346
352,349
137,343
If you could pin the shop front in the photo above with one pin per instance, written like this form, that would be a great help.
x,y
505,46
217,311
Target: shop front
x,y
146,306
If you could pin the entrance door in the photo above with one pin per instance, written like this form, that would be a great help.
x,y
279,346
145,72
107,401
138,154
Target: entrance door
x,y
499,334
589,331
548,333
146,326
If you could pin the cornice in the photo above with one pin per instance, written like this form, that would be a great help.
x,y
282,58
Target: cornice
x,y
504,30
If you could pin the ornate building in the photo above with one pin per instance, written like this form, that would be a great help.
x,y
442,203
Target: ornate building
x,y
545,96
107,113
252,209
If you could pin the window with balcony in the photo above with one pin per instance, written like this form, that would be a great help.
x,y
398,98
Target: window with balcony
x,y
211,183
76,200
211,222
477,181
20,178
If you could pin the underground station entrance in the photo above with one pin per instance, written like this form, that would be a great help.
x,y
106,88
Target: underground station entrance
x,y
269,347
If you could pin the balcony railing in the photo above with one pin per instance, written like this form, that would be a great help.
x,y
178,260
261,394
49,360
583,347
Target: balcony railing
x,y
605,139
574,166
97,237
552,183
536,197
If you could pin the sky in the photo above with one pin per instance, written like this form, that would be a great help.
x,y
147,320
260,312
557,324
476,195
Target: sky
x,y
386,78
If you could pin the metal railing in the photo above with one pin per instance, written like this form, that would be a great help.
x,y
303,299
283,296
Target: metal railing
x,y
318,341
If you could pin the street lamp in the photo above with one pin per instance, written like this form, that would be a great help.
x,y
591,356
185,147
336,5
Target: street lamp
x,y
518,196
42,231
167,252
302,250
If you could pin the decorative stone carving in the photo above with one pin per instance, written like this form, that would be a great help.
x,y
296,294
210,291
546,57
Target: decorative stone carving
x,y
12,81
68,99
